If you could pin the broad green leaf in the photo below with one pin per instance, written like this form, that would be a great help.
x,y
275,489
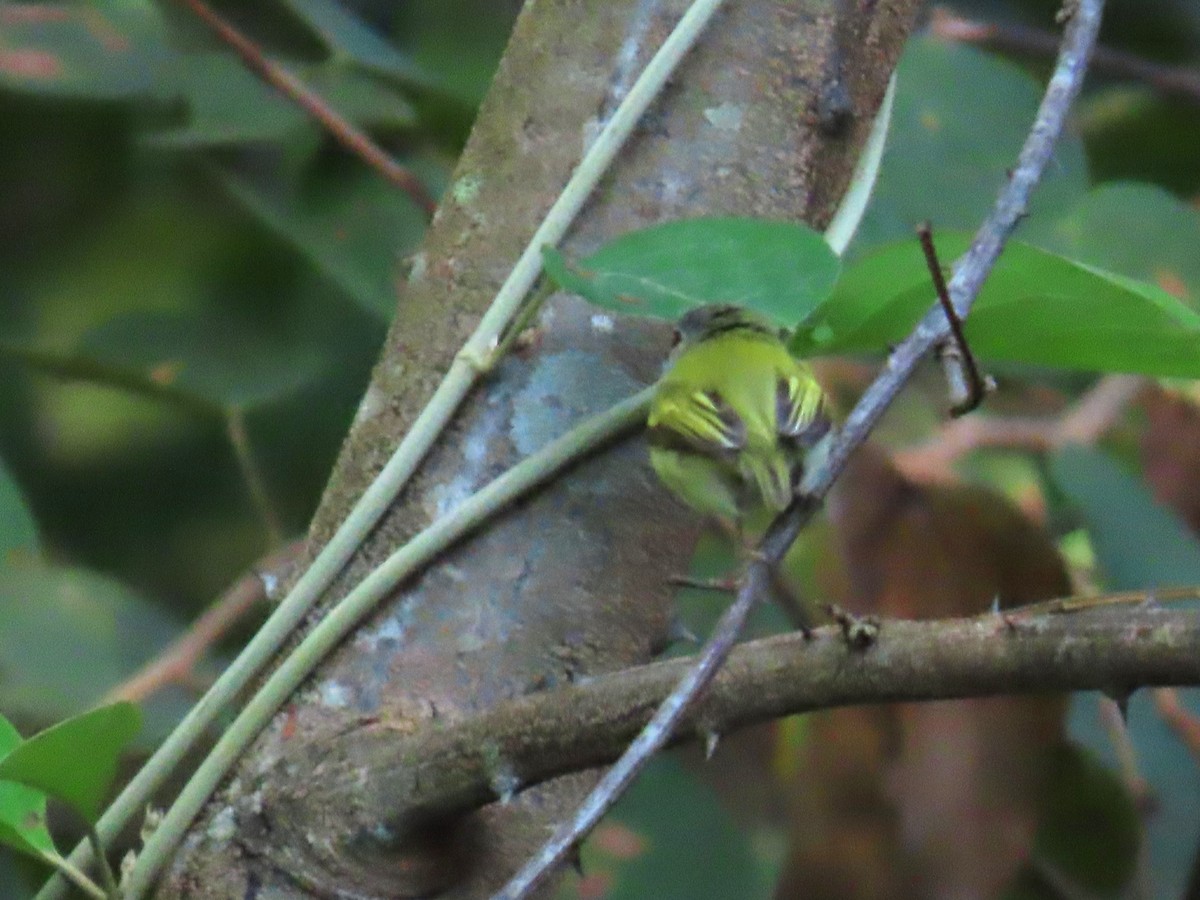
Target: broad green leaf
x,y
158,249
350,38
1035,308
460,42
775,268
87,368
1138,542
1138,230
227,104
226,363
361,97
22,808
89,51
354,230
1169,836
669,838
960,118
75,761
202,364
18,530
70,635
1134,130
1088,827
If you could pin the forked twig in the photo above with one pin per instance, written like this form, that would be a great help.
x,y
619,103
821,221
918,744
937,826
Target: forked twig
x,y
1180,81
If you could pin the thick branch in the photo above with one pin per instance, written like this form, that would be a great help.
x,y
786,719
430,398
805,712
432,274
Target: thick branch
x,y
435,774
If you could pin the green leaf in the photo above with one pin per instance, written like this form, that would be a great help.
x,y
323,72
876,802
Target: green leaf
x,y
352,229
227,104
1035,308
18,530
460,42
69,635
1138,230
960,118
1088,828
360,97
76,761
1138,542
777,269
225,363
89,51
22,808
352,39
669,838
1135,130
203,364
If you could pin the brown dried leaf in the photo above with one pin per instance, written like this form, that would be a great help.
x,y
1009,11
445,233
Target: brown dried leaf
x,y
938,799
1171,452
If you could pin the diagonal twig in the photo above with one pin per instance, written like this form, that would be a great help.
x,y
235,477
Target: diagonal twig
x,y
1171,80
346,134
970,273
177,662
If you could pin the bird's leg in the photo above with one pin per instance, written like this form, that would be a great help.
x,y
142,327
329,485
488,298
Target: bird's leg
x,y
792,604
786,597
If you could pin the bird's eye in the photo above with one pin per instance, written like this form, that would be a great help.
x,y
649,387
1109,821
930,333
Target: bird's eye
x,y
676,337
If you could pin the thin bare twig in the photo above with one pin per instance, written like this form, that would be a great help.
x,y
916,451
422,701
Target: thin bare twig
x,y
1112,716
176,664
252,475
346,134
1176,81
957,354
933,329
1185,724
1083,423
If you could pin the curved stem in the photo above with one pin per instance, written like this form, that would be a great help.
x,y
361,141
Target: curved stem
x,y
72,874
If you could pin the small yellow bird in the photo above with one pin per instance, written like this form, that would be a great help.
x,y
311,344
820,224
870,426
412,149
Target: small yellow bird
x,y
734,416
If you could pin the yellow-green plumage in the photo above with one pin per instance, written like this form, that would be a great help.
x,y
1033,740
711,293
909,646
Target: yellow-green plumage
x,y
734,415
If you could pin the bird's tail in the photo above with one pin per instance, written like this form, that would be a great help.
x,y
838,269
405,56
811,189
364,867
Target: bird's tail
x,y
771,476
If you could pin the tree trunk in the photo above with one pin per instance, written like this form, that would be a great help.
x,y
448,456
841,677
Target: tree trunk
x,y
765,118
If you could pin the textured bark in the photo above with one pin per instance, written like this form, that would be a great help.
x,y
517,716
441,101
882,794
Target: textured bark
x,y
433,773
764,118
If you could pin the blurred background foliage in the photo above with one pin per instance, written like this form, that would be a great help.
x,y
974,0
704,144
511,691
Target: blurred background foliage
x,y
194,283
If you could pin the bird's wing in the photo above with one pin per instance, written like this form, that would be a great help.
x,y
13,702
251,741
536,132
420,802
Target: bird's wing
x,y
698,420
800,407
